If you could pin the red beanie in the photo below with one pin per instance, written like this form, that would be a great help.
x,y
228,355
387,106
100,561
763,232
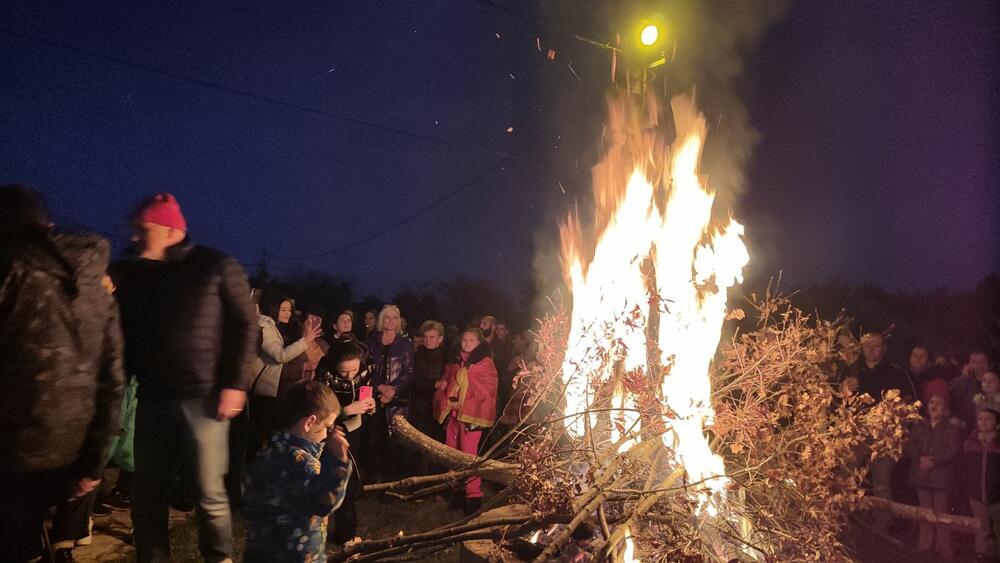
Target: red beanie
x,y
162,209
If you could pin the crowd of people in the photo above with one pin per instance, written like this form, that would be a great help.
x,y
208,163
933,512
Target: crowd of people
x,y
208,395
952,455
164,365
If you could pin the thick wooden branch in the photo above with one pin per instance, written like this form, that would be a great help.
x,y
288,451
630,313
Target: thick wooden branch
x,y
490,469
919,514
421,480
492,524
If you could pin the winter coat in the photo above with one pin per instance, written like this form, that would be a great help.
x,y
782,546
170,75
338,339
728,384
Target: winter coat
x,y
944,443
290,490
428,367
981,469
394,368
190,327
61,375
273,354
472,383
879,379
963,391
345,389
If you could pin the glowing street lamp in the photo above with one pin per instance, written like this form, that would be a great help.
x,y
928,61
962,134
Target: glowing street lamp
x,y
649,35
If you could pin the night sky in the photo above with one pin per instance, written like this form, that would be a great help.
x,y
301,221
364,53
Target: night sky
x,y
370,139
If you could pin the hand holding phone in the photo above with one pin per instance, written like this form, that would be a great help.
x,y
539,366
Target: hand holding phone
x,y
364,392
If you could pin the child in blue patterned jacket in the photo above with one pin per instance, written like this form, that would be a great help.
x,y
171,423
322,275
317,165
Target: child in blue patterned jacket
x,y
298,480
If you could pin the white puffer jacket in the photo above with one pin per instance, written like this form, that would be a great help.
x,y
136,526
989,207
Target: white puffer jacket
x,y
273,353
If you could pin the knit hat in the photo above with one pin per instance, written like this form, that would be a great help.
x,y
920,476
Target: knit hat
x,y
161,209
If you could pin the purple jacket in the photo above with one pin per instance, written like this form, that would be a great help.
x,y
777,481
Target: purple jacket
x,y
394,368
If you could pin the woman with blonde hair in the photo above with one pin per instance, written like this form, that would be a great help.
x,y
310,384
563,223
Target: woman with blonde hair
x,y
391,366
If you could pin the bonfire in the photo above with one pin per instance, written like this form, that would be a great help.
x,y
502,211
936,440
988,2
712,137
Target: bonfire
x,y
634,423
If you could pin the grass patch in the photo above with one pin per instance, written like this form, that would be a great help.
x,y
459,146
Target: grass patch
x,y
376,519
381,520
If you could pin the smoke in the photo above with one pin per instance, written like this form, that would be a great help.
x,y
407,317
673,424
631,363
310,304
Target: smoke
x,y
712,37
707,41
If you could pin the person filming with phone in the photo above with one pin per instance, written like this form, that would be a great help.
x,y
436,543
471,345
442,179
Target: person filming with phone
x,y
343,371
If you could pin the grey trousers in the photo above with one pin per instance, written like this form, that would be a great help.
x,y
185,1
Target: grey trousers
x,y
172,435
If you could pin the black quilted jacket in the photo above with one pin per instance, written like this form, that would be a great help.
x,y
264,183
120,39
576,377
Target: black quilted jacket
x,y
61,377
190,327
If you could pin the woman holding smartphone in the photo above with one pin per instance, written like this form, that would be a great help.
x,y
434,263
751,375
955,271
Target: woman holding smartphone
x,y
342,371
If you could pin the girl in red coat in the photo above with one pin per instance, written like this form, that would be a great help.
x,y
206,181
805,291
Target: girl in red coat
x,y
465,401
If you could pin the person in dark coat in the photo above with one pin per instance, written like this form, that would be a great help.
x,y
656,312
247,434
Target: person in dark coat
x,y
981,476
343,371
62,377
874,375
934,446
191,340
428,364
390,357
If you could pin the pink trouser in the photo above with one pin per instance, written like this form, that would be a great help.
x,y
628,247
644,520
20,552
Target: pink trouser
x,y
458,437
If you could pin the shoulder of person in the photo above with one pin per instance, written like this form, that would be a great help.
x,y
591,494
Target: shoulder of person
x,y
208,254
898,369
85,242
84,251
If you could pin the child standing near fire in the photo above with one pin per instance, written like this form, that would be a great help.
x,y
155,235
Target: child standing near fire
x,y
298,479
465,402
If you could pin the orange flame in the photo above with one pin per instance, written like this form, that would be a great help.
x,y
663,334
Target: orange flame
x,y
653,225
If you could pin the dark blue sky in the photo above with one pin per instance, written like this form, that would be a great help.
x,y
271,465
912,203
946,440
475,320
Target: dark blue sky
x,y
877,159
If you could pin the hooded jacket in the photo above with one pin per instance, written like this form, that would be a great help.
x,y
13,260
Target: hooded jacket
x,y
190,327
471,381
272,356
61,376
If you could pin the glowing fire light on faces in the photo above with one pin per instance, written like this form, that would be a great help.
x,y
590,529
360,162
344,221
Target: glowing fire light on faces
x,y
663,220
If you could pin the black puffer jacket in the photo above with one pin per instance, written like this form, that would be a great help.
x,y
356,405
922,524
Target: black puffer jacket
x,y
61,377
190,327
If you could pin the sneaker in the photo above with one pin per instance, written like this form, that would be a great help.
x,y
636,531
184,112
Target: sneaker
x,y
118,499
89,538
63,555
101,509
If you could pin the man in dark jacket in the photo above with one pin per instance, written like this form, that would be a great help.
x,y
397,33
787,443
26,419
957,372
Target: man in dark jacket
x,y
428,365
62,377
190,339
875,375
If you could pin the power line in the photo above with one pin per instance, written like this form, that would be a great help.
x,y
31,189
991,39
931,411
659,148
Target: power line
x,y
267,99
475,179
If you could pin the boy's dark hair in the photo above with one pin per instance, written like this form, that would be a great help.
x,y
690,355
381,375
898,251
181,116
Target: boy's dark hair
x,y
344,351
304,399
